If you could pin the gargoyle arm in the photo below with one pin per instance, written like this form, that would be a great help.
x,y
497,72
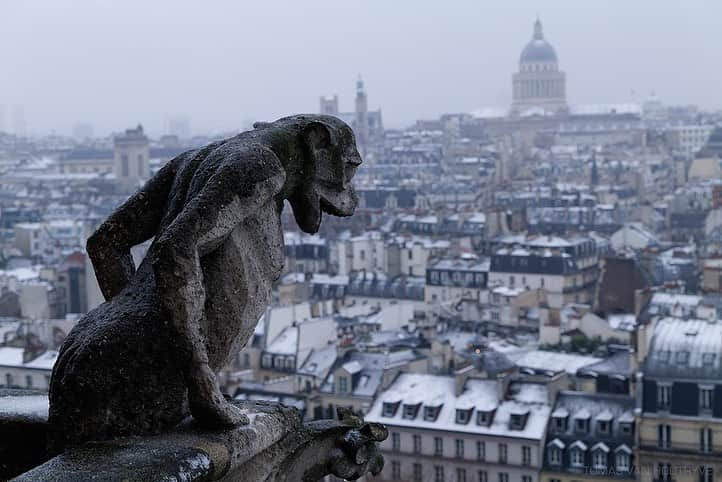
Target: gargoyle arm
x,y
135,221
228,197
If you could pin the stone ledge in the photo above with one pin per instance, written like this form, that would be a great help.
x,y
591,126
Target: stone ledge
x,y
275,446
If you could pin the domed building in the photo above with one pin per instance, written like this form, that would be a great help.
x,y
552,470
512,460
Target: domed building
x,y
539,87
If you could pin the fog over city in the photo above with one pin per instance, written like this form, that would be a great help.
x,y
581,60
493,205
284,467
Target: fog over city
x,y
225,63
385,241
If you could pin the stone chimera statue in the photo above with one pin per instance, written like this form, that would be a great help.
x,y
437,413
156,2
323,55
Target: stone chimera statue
x,y
141,362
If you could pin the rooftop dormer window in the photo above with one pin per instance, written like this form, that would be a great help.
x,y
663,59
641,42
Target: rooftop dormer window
x,y
431,413
410,410
389,409
559,419
604,422
599,456
484,417
554,451
581,421
517,420
622,458
626,428
463,415
577,451
681,357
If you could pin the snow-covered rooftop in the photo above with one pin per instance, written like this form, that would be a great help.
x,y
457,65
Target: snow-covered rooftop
x,y
478,395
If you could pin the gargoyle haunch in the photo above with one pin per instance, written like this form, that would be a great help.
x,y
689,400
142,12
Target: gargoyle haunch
x,y
147,357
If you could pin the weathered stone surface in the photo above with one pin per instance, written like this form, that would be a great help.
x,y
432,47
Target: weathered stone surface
x,y
145,359
275,446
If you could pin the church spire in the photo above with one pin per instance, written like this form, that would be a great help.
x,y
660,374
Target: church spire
x,y
538,33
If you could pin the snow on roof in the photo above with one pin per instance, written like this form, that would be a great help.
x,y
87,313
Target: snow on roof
x,y
675,299
22,274
294,237
600,446
507,291
554,361
579,444
319,361
605,416
560,413
687,344
325,279
285,343
582,414
622,321
602,109
44,361
352,367
558,443
11,356
438,390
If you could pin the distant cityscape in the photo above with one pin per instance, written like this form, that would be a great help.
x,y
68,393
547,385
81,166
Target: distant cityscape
x,y
528,294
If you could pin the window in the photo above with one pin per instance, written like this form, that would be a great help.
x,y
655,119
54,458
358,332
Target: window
x,y
599,460
526,478
603,426
140,164
705,440
418,473
438,473
389,409
124,166
626,428
29,381
461,475
526,455
463,416
577,457
664,436
705,397
438,446
395,441
342,384
502,453
555,455
417,444
395,470
622,462
483,476
582,425
664,472
410,411
480,450
9,382
266,361
431,413
517,421
663,395
503,477
483,417
459,448
560,423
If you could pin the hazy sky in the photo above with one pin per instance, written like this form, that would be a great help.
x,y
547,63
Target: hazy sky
x,y
224,63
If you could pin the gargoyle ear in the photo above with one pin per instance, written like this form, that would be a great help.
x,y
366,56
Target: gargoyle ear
x,y
318,136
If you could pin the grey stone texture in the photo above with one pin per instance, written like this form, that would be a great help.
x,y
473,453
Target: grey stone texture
x,y
145,360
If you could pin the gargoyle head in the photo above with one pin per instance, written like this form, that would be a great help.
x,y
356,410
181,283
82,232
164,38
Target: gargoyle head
x,y
330,162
